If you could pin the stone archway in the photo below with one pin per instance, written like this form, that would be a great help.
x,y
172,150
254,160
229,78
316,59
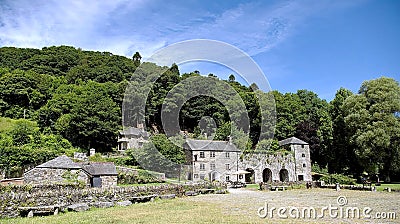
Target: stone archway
x,y
267,175
249,178
284,175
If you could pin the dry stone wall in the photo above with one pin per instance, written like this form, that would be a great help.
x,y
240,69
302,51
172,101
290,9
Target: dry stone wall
x,y
13,197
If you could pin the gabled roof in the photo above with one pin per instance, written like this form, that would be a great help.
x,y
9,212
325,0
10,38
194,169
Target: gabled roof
x,y
292,141
209,145
134,131
61,162
100,168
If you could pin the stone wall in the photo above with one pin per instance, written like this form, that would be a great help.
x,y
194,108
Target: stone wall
x,y
55,176
108,181
274,162
12,197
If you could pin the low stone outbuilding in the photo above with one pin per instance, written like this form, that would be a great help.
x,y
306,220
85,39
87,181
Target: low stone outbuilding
x,y
59,170
101,174
63,170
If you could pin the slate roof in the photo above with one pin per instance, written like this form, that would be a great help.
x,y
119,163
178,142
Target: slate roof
x,y
209,145
134,131
292,141
100,168
61,162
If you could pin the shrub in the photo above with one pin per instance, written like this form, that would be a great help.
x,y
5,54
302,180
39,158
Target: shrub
x,y
338,178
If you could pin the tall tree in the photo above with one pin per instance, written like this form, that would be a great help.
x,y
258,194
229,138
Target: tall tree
x,y
375,127
341,157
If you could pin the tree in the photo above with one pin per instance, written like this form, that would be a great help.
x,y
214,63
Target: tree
x,y
136,59
22,132
85,115
341,156
231,78
374,126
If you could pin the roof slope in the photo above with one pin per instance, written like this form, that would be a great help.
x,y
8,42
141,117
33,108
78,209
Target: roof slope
x,y
134,131
292,141
209,145
100,168
61,162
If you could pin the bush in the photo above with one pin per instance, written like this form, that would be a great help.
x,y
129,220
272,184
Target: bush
x,y
338,178
141,177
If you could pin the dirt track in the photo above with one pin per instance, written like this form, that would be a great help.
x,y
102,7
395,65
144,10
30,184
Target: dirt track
x,y
246,202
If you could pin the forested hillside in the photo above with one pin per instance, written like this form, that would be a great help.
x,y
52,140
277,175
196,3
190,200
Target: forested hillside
x,y
62,99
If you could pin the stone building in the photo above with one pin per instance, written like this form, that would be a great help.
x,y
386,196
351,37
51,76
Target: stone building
x,y
101,174
211,160
292,165
220,160
131,138
59,170
63,170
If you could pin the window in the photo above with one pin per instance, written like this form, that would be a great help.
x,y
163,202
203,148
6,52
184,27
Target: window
x,y
302,146
201,154
195,158
212,154
304,165
227,154
227,178
202,166
195,176
202,176
301,177
303,155
212,166
227,167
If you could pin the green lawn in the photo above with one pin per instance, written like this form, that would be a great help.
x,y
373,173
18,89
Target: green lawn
x,y
392,186
160,211
148,184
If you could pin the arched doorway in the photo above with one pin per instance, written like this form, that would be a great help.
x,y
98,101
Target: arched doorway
x,y
284,175
249,177
267,175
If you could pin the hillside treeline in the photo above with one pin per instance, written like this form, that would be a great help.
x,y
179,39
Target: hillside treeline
x,y
69,95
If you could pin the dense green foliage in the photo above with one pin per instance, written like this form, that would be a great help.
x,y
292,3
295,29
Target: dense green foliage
x,y
141,177
74,99
23,146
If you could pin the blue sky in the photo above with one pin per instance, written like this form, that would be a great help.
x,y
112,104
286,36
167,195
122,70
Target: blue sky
x,y
315,45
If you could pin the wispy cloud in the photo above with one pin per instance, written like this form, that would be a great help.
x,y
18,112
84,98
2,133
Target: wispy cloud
x,y
79,23
123,27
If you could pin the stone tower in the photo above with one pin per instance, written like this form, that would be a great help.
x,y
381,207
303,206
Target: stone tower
x,y
301,152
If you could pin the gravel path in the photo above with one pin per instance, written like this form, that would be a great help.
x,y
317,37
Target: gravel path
x,y
246,202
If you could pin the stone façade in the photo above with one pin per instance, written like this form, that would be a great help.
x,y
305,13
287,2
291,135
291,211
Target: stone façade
x,y
207,160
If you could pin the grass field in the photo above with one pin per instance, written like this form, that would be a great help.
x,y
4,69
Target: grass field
x,y
239,206
392,186
170,211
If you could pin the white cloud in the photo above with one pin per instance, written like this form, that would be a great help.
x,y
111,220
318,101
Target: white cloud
x,y
123,26
79,23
